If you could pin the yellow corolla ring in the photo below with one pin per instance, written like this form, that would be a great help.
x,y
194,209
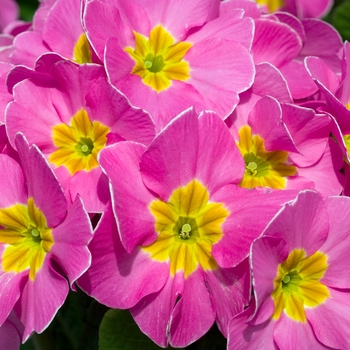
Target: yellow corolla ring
x,y
188,226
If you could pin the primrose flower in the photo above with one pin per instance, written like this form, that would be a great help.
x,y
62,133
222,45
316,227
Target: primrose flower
x,y
184,228
287,146
56,28
301,292
174,55
79,114
36,234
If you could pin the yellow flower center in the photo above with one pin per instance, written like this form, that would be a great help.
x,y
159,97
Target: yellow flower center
x,y
347,143
26,237
188,226
78,143
82,52
158,59
267,169
298,285
272,5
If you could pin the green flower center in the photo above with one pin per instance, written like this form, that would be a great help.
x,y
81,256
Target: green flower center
x,y
85,146
153,63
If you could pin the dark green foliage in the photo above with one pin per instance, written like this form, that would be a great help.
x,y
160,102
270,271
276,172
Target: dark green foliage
x,y
340,19
75,327
118,331
27,9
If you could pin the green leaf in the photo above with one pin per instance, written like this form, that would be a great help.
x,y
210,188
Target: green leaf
x,y
118,331
341,19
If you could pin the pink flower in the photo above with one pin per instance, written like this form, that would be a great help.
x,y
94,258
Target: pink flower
x,y
301,291
184,228
38,238
173,55
79,113
56,28
286,146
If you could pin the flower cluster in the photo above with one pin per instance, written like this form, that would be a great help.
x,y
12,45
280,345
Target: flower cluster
x,y
210,140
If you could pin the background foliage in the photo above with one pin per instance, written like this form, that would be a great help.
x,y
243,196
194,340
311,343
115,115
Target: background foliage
x,y
82,323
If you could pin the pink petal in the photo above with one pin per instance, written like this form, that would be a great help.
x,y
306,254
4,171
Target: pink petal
x,y
239,229
12,183
310,133
294,72
130,197
10,337
28,47
316,9
293,335
170,160
251,8
230,27
45,116
275,42
230,290
292,22
266,254
164,106
116,278
302,223
118,63
62,27
10,290
330,321
73,83
326,172
322,40
9,13
92,186
269,81
233,73
71,239
42,182
337,244
112,108
219,161
40,299
194,313
171,14
5,96
243,336
153,312
265,120
97,12
344,91
321,72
